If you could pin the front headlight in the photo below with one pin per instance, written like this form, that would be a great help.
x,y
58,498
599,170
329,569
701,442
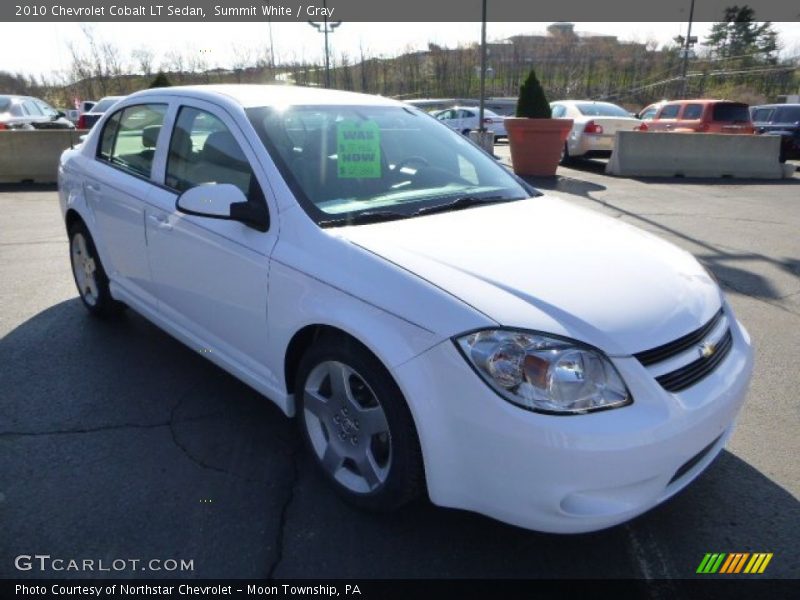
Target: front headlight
x,y
543,373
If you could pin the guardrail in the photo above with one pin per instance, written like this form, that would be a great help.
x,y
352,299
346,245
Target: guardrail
x,y
656,154
33,155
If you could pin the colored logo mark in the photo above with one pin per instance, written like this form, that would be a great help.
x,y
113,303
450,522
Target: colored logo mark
x,y
734,562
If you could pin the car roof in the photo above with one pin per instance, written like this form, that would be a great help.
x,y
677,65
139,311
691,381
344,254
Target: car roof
x,y
467,107
702,101
583,102
793,104
250,95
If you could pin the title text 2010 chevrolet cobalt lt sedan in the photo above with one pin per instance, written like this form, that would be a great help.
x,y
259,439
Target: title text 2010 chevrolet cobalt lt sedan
x,y
435,324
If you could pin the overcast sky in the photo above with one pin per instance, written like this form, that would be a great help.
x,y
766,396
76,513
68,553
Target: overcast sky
x,y
41,48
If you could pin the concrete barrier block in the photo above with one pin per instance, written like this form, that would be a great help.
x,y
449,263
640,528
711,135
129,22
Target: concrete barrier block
x,y
34,155
657,154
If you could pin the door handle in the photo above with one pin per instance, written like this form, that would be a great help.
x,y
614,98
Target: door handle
x,y
93,187
161,222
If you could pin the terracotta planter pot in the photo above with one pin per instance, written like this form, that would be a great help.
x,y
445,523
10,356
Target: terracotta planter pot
x,y
536,144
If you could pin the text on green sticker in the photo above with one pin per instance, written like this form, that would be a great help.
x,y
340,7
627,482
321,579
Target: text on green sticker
x,y
358,149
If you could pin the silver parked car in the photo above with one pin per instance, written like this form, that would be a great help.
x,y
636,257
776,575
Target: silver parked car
x,y
27,112
594,127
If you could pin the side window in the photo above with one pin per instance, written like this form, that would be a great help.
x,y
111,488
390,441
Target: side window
x,y
108,137
465,114
129,138
16,110
558,111
692,112
670,111
203,150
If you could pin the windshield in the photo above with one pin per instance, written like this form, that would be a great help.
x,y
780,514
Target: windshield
x,y
104,105
343,161
601,109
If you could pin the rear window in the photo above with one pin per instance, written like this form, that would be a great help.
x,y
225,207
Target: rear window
x,y
787,114
729,112
5,103
595,109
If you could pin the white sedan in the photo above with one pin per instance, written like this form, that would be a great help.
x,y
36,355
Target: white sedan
x,y
594,128
435,325
466,118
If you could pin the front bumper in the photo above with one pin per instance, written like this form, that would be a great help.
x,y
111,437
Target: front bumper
x,y
568,474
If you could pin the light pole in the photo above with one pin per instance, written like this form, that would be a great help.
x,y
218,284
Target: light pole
x,y
686,48
326,27
481,126
271,44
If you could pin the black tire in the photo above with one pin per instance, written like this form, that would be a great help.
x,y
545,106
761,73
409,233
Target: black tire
x,y
100,304
566,158
465,132
405,479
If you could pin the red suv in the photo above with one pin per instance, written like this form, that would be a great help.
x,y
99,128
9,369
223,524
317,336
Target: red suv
x,y
707,116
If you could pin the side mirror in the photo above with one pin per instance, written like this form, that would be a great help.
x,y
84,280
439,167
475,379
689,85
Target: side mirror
x,y
212,200
222,201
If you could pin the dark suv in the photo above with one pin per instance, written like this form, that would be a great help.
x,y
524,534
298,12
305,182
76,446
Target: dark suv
x,y
26,112
782,120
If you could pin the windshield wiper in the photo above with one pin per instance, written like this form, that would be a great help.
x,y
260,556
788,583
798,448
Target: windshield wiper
x,y
368,216
463,202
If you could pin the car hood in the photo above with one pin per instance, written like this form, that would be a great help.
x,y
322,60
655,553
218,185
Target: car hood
x,y
547,265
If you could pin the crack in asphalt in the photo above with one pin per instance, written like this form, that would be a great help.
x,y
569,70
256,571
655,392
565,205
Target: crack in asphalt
x,y
101,428
284,518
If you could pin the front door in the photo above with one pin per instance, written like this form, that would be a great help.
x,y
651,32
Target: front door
x,y
211,275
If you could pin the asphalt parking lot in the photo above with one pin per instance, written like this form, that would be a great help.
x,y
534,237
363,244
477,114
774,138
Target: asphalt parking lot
x,y
118,442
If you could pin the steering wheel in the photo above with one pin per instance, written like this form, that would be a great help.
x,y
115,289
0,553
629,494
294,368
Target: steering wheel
x,y
412,159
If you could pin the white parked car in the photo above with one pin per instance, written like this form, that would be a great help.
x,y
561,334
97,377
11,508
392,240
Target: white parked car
x,y
465,119
594,127
435,325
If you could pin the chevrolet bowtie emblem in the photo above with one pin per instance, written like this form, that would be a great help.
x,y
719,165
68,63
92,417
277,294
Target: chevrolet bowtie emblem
x,y
707,349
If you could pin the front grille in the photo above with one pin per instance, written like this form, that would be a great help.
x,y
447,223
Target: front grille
x,y
689,464
649,357
690,374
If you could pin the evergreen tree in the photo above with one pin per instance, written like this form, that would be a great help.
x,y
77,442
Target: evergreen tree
x,y
532,103
160,81
739,35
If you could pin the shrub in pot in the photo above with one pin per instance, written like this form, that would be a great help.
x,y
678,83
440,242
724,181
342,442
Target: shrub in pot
x,y
535,138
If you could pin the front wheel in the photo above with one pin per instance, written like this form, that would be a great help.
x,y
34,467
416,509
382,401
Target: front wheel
x,y
90,277
357,425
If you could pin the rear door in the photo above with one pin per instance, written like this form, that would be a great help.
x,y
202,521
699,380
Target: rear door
x,y
691,116
211,275
117,189
730,117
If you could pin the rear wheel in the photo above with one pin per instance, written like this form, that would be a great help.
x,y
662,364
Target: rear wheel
x,y
565,155
90,277
357,425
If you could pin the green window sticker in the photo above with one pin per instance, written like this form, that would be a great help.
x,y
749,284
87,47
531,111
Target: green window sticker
x,y
358,149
